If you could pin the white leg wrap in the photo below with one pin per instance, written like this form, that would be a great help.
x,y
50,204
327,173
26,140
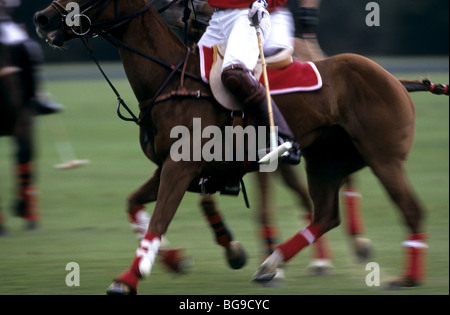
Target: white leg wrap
x,y
147,252
140,222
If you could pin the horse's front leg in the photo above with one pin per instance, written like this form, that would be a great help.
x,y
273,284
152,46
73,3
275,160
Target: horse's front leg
x,y
234,252
139,218
148,192
175,178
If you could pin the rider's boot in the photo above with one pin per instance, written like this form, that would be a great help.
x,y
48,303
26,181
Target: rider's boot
x,y
252,94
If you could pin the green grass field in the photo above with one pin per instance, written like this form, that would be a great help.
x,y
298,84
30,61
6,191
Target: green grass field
x,y
84,221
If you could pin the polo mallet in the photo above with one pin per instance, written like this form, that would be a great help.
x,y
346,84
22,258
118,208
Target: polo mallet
x,y
63,145
275,150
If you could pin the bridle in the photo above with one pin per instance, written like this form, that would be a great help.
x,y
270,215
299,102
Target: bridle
x,y
104,29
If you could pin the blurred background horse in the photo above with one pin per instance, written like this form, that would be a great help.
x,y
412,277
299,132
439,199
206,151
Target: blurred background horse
x,y
19,103
16,120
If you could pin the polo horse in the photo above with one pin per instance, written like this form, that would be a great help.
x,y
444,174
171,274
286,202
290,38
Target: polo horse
x,y
344,126
178,14
16,121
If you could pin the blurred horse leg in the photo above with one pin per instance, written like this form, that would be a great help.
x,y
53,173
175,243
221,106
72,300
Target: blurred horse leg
x,y
321,252
234,252
27,203
268,229
175,178
2,227
322,255
173,259
394,180
148,192
355,224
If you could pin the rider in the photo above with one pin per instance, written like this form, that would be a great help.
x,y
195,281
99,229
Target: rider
x,y
26,54
306,17
230,24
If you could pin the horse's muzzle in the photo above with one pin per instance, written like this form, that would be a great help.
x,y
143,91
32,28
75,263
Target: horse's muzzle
x,y
48,27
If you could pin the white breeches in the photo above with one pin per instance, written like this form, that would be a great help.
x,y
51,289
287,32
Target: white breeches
x,y
231,26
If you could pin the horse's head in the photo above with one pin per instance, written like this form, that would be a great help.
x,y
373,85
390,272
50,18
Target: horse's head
x,y
63,20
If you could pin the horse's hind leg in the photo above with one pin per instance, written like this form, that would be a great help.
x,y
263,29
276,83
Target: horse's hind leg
x,y
234,252
394,180
321,252
324,184
322,256
362,247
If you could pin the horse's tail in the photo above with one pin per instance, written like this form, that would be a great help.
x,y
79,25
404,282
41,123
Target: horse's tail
x,y
424,85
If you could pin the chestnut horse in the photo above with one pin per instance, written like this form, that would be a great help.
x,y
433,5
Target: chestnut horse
x,y
16,120
362,116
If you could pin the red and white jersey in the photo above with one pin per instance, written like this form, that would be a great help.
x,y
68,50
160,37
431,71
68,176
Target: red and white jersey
x,y
240,4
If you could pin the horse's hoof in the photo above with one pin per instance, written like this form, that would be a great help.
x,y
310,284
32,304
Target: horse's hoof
x,y
2,230
276,282
268,269
31,225
175,260
320,267
363,249
236,255
120,288
264,274
400,283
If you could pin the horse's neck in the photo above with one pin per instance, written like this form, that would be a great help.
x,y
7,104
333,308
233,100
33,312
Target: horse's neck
x,y
149,34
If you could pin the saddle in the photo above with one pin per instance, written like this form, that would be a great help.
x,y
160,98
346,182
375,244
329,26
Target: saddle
x,y
285,75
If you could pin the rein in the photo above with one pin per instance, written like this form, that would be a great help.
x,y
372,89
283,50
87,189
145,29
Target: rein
x,y
104,28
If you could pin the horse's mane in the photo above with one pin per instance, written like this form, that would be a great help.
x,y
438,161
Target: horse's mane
x,y
165,27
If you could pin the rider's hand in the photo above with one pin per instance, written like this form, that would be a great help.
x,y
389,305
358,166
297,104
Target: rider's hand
x,y
258,12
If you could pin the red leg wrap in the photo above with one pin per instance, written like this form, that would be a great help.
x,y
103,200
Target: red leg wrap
x,y
352,201
28,206
299,241
321,248
415,257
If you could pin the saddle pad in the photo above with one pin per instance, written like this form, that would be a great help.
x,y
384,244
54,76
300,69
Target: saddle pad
x,y
296,77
